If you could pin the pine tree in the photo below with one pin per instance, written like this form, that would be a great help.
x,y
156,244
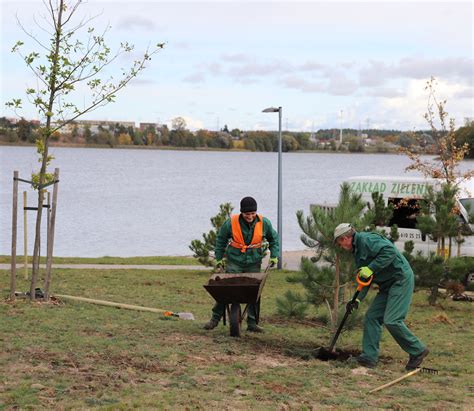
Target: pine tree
x,y
204,250
326,283
381,214
292,305
437,218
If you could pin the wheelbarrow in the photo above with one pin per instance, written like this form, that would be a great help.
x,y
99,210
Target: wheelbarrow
x,y
236,289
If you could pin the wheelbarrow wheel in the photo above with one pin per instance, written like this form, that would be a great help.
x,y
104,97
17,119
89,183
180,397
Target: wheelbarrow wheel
x,y
235,319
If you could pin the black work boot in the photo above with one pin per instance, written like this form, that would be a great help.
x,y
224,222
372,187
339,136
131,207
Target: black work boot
x,y
211,324
364,362
254,328
415,360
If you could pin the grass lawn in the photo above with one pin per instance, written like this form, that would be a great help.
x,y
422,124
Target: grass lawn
x,y
152,260
71,355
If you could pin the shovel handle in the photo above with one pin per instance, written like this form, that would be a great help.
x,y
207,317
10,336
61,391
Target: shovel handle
x,y
361,283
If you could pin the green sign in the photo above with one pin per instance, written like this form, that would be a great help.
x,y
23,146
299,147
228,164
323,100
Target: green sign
x,y
390,188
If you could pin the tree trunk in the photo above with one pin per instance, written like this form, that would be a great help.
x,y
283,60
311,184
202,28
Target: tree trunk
x,y
14,234
335,303
45,138
36,247
433,295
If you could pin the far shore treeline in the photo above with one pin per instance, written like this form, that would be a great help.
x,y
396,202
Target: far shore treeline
x,y
89,133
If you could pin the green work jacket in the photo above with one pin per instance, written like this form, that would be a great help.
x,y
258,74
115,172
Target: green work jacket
x,y
382,257
251,256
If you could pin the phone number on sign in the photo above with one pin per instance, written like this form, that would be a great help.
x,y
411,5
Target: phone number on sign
x,y
413,236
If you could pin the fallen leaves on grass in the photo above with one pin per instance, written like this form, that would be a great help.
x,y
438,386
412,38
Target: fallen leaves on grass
x,y
441,318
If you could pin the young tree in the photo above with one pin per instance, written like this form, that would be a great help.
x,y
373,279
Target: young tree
x,y
437,218
75,56
325,283
445,167
448,151
204,250
380,213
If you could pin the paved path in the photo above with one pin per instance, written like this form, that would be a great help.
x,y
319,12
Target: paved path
x,y
291,261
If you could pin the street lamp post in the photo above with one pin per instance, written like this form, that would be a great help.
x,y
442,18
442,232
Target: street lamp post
x,y
280,224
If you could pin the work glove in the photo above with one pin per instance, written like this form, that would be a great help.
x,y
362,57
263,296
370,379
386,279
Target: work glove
x,y
365,273
219,266
273,261
352,305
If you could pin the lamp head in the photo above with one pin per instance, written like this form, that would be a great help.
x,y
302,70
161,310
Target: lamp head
x,y
271,110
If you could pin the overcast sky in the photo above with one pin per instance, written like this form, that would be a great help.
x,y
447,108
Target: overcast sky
x,y
226,61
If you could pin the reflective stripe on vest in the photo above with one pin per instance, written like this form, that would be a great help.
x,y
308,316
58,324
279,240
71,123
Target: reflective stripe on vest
x,y
238,239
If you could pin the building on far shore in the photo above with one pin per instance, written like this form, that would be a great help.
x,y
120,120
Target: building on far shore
x,y
93,125
145,126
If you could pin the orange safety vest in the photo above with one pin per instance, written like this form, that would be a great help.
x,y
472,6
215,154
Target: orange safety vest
x,y
238,239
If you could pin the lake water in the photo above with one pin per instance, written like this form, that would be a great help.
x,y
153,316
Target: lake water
x,y
126,202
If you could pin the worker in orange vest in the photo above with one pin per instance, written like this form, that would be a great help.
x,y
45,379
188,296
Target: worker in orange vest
x,y
241,241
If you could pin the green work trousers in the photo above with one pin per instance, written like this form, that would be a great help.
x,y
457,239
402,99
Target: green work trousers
x,y
218,309
390,308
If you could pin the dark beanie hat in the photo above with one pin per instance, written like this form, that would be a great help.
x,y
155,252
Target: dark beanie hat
x,y
248,204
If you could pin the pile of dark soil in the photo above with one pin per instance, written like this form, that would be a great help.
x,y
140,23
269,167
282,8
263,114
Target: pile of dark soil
x,y
322,354
234,281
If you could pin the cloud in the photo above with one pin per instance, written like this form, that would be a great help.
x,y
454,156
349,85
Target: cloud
x,y
182,45
387,92
466,93
214,68
258,69
192,123
239,57
138,81
136,23
450,67
377,73
204,70
406,112
195,78
341,85
344,78
337,84
246,80
303,85
311,66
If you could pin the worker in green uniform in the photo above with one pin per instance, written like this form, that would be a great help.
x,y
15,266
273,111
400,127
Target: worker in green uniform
x,y
241,242
378,257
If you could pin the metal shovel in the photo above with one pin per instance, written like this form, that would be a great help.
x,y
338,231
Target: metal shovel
x,y
183,316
